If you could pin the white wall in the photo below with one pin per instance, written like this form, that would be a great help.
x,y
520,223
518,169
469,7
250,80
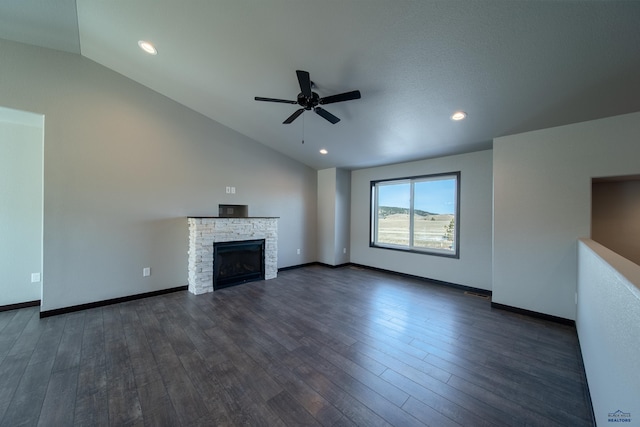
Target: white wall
x,y
124,166
542,205
21,138
334,192
474,266
608,323
615,221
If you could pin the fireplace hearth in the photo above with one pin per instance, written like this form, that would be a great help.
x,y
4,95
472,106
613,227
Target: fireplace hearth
x,y
237,262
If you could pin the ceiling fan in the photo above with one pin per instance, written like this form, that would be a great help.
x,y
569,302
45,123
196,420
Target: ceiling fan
x,y
309,100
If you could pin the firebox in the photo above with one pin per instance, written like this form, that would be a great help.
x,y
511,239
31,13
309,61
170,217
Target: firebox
x,y
237,262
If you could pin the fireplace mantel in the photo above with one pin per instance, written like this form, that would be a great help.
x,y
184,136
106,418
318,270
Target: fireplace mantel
x,y
204,231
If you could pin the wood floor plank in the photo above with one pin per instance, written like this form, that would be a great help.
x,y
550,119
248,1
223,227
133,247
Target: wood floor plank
x,y
92,409
70,346
92,376
448,409
208,386
58,407
6,317
26,342
188,403
200,375
11,370
523,389
124,404
426,413
495,400
263,385
314,346
351,407
25,405
242,404
290,411
93,337
362,392
15,322
161,413
355,371
312,401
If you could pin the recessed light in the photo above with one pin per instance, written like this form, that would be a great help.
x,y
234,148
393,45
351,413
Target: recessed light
x,y
323,151
147,47
458,115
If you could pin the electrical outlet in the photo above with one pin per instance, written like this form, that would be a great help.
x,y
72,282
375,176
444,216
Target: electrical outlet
x,y
228,190
146,272
298,251
35,277
233,190
344,250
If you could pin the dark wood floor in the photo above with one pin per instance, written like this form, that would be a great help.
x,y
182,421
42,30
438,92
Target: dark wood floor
x,y
316,346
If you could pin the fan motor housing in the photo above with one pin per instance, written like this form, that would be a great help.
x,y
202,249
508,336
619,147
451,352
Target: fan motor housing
x,y
308,103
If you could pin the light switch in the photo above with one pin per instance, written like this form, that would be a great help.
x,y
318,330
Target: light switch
x,y
146,272
35,277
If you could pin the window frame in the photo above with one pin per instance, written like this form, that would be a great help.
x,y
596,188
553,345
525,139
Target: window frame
x,y
373,207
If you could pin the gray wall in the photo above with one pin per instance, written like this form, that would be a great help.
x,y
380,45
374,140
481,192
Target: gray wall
x,y
124,166
326,215
343,216
334,192
542,205
474,266
615,220
21,138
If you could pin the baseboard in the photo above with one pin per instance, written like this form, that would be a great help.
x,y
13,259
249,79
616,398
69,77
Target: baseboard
x,y
535,314
309,264
334,266
8,307
293,267
103,303
426,279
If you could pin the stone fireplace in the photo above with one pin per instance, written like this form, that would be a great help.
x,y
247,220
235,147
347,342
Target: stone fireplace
x,y
205,231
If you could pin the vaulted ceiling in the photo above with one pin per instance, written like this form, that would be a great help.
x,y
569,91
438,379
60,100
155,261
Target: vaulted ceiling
x,y
512,66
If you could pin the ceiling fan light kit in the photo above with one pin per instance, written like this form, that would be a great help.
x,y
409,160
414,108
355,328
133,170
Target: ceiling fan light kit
x,y
309,100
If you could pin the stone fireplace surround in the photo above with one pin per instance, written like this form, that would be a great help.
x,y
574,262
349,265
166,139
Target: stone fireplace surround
x,y
204,231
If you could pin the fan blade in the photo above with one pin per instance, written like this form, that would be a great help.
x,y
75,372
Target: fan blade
x,y
293,116
347,96
327,115
284,101
305,83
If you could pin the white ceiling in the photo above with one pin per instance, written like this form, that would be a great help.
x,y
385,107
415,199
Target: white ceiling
x,y
513,66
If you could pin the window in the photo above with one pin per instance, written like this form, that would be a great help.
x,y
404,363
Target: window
x,y
417,214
